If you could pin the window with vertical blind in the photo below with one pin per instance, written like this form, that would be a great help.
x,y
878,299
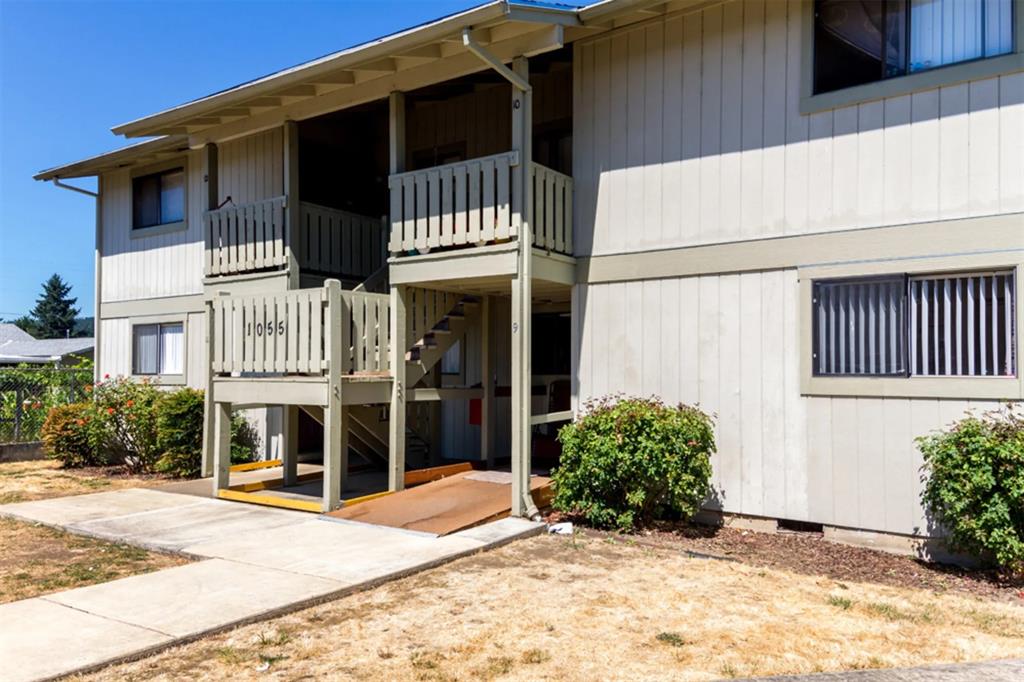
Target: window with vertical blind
x,y
158,348
928,325
864,41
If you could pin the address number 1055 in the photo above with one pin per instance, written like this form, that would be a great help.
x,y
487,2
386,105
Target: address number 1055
x,y
268,329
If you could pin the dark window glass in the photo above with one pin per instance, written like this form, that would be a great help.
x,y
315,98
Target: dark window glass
x,y
860,327
862,41
158,198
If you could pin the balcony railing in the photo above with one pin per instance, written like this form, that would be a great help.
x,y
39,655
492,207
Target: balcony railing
x,y
328,241
299,332
478,202
246,238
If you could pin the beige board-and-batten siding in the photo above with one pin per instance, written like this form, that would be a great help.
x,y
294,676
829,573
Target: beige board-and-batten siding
x,y
152,262
688,131
729,344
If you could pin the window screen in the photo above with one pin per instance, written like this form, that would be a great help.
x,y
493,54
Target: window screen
x,y
930,325
859,327
963,325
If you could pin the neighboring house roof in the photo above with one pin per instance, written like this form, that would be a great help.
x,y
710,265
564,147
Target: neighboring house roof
x,y
18,346
11,332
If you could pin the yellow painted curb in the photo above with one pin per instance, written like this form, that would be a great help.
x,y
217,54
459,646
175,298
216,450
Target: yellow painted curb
x,y
253,466
270,501
365,498
272,483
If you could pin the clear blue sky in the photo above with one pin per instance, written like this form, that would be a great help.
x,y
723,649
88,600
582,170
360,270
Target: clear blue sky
x,y
71,70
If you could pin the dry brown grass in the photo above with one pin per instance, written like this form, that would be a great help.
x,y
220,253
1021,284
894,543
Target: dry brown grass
x,y
38,560
40,479
564,609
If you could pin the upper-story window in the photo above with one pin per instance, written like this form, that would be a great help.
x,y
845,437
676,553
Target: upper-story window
x,y
863,41
158,198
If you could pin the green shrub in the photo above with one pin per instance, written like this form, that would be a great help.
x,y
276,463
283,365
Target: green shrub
x,y
179,422
626,462
180,434
127,409
974,485
72,435
245,440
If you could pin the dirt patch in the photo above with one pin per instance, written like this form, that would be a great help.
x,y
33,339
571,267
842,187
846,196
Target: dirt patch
x,y
38,560
811,554
40,479
585,608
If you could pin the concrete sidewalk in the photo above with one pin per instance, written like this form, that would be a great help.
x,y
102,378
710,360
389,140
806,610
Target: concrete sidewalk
x,y
990,671
256,562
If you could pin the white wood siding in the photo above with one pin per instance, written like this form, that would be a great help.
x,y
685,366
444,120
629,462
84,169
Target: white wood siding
x,y
728,343
251,168
688,131
151,266
115,353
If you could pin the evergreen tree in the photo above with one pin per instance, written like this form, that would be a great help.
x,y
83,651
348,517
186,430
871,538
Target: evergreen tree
x,y
55,313
27,325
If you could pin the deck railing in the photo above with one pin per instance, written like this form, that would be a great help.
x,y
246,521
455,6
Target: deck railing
x,y
551,218
294,332
246,238
468,202
477,202
339,242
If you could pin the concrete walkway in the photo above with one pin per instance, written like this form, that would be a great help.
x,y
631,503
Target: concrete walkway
x,y
990,671
256,562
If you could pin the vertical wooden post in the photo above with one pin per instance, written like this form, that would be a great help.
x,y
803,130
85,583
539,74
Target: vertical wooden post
x,y
209,425
434,410
221,447
212,168
293,215
396,424
522,134
335,426
487,382
290,444
396,132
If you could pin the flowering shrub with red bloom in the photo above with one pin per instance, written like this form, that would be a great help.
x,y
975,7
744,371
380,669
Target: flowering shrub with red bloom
x,y
128,412
73,435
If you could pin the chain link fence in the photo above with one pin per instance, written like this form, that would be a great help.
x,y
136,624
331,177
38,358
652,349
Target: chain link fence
x,y
28,393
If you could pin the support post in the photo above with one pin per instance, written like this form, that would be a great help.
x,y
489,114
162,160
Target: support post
x,y
335,427
487,382
209,424
396,423
290,444
293,215
522,133
222,447
396,132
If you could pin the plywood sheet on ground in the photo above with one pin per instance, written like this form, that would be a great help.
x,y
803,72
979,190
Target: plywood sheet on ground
x,y
451,504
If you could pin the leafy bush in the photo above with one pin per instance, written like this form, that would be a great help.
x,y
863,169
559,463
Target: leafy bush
x,y
180,434
179,422
626,462
974,485
245,440
72,435
127,409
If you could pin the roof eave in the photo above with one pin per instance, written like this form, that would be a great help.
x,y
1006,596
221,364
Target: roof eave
x,y
377,49
94,165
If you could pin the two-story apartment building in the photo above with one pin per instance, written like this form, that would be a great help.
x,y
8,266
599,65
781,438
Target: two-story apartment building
x,y
806,217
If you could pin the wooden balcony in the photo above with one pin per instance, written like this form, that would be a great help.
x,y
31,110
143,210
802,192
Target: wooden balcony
x,y
476,203
311,332
328,241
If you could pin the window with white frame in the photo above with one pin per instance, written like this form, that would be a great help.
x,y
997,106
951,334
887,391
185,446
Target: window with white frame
x,y
158,348
863,41
922,325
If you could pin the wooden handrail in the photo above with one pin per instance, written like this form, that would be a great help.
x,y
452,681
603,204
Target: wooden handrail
x,y
247,237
